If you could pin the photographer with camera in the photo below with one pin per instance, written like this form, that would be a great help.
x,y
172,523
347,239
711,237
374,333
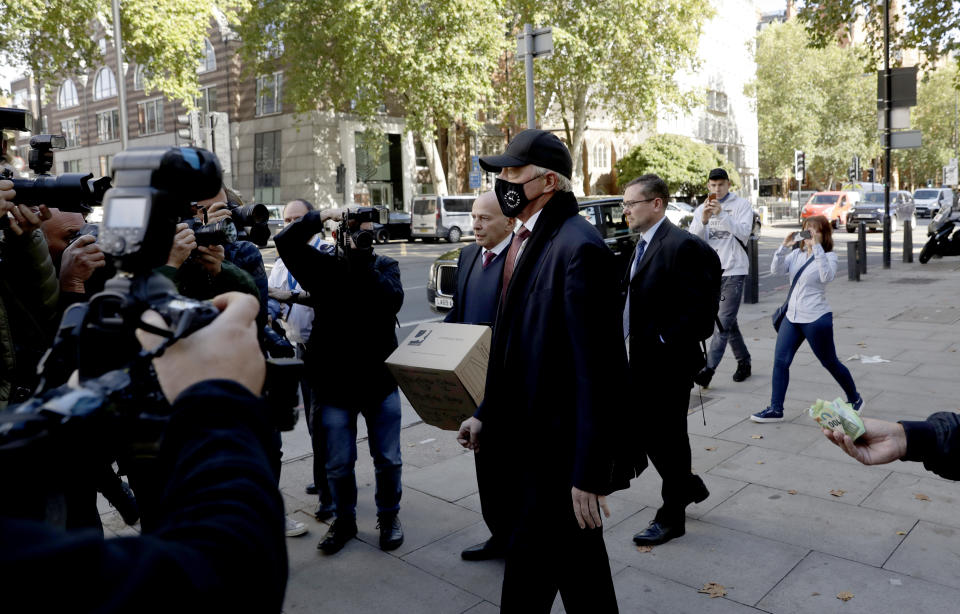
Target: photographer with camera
x,y
357,321
218,543
28,295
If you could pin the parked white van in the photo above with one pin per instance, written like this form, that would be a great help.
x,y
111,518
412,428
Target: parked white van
x,y
441,217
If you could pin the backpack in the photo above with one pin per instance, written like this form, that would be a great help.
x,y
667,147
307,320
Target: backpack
x,y
706,309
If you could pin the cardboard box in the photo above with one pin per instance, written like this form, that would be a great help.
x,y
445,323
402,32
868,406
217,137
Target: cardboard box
x,y
442,370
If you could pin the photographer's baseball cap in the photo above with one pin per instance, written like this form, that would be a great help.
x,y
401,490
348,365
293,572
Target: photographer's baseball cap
x,y
718,173
537,147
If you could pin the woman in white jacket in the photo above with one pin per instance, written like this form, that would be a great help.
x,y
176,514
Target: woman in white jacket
x,y
808,314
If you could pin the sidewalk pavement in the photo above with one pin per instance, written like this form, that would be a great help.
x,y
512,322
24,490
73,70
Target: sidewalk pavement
x,y
791,522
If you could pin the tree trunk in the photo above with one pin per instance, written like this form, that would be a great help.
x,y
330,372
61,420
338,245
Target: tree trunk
x,y
452,183
433,163
576,147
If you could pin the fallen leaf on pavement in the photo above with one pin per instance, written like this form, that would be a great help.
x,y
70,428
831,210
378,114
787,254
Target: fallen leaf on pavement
x,y
845,596
713,589
756,436
862,344
711,448
814,594
901,532
921,497
759,462
644,548
838,493
791,492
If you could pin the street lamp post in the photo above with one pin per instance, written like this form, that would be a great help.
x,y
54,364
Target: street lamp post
x,y
122,77
887,112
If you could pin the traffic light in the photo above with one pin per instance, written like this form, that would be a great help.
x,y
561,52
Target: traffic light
x,y
188,127
799,165
852,174
871,175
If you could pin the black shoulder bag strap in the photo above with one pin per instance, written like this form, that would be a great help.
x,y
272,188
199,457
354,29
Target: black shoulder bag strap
x,y
795,278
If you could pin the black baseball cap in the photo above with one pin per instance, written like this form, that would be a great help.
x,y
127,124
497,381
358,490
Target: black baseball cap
x,y
537,147
719,173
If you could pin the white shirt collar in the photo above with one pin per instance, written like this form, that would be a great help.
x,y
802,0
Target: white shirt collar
x,y
533,220
498,248
648,236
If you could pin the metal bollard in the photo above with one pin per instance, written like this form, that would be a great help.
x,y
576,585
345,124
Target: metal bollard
x,y
853,270
751,290
862,247
907,241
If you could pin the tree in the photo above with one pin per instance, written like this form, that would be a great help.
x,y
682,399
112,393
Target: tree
x,y
934,116
680,161
433,58
56,38
618,57
930,26
814,100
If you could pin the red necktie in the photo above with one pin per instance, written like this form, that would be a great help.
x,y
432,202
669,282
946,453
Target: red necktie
x,y
487,258
512,259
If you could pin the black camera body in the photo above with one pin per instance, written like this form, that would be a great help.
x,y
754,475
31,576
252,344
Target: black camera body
x,y
350,227
220,232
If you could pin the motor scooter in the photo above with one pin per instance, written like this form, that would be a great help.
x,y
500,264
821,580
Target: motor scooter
x,y
944,233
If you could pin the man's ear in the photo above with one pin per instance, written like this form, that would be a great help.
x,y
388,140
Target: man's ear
x,y
550,182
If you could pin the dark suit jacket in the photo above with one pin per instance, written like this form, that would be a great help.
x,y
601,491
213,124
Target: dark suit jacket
x,y
669,282
557,361
469,258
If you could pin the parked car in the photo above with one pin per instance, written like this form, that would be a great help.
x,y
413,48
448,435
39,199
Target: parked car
x,y
606,213
796,205
930,201
392,225
832,205
870,211
680,213
442,217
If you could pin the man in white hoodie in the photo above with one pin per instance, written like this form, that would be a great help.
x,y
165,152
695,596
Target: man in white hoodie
x,y
725,220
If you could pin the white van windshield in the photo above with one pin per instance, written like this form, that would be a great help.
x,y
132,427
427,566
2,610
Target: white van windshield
x,y
424,206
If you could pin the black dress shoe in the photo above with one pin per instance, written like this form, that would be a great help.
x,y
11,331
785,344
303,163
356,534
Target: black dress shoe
x,y
483,552
391,533
341,532
311,489
324,512
658,533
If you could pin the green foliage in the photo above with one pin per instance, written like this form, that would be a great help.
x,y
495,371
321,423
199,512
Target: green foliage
x,y
56,38
434,57
934,116
815,100
680,161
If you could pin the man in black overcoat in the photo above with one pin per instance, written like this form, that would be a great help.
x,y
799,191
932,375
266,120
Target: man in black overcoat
x,y
552,400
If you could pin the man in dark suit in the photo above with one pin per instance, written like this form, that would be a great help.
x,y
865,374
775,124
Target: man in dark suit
x,y
475,301
550,402
661,290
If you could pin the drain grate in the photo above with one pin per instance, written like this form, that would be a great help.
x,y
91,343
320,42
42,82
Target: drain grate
x,y
915,280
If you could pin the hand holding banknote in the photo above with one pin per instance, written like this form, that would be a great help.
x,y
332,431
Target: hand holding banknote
x,y
882,442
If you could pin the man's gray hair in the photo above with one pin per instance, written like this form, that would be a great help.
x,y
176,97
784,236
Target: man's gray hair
x,y
563,184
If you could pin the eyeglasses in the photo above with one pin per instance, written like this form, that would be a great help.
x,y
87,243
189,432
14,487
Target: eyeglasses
x,y
627,204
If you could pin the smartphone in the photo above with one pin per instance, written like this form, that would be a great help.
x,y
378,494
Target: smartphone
x,y
804,234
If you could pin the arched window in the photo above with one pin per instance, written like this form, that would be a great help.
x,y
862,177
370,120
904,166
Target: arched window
x,y
138,77
209,61
601,155
67,97
105,84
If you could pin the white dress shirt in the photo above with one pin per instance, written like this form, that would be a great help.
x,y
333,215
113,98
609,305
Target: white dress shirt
x,y
809,299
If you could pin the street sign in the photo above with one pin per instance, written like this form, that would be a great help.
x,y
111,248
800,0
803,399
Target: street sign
x,y
475,180
899,118
905,139
903,86
475,164
542,43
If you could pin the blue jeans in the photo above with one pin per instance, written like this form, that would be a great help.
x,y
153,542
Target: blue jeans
x,y
383,429
819,334
731,293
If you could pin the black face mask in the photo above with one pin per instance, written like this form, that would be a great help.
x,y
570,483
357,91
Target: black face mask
x,y
512,197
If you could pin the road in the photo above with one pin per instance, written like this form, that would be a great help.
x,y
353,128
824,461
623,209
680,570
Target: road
x,y
415,259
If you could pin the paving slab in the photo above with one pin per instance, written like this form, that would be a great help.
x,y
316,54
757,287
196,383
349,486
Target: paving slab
x,y
423,445
707,452
826,450
869,536
812,588
645,593
471,502
747,565
361,578
930,552
645,491
785,436
812,476
452,479
484,607
898,494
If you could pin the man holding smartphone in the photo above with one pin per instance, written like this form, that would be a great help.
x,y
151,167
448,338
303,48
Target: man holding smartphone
x,y
725,220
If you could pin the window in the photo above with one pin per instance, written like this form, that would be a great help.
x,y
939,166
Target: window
x,y
209,61
138,78
151,116
67,97
717,101
102,44
268,94
273,48
105,84
601,155
21,99
71,166
105,163
108,126
458,205
70,129
420,154
206,102
266,167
